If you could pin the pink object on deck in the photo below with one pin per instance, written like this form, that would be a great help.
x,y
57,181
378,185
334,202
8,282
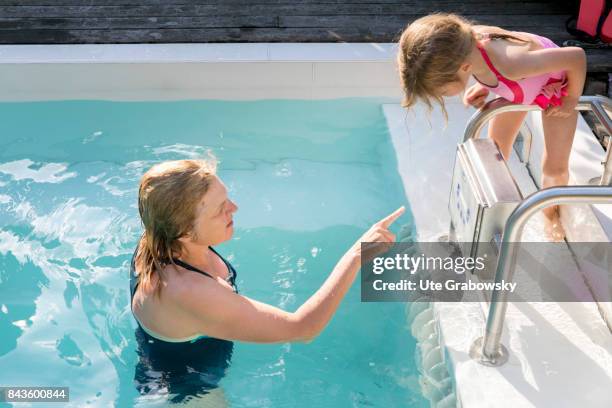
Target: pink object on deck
x,y
589,14
606,29
543,90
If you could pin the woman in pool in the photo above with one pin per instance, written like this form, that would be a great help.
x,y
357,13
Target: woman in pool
x,y
183,293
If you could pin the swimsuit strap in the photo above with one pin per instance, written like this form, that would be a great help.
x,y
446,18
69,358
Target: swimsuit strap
x,y
232,272
190,267
231,279
231,275
485,56
513,85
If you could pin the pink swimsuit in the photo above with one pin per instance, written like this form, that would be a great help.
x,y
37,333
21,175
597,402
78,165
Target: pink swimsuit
x,y
543,90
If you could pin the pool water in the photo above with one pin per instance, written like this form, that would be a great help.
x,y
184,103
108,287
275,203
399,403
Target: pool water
x,y
309,178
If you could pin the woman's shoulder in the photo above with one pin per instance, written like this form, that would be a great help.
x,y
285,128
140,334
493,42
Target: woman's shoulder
x,y
174,284
178,289
183,292
189,290
165,314
179,282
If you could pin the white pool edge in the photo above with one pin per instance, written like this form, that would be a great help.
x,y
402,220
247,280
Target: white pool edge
x,y
198,71
196,52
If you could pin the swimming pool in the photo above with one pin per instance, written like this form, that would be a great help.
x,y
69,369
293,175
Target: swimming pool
x,y
309,178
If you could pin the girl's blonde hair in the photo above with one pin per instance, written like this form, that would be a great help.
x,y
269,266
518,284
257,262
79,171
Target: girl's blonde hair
x,y
431,51
168,199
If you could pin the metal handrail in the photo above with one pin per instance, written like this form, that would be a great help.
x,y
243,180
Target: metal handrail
x,y
488,349
586,103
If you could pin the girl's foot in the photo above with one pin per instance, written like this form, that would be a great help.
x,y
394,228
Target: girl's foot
x,y
554,228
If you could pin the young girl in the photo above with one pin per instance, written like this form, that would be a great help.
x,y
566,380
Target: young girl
x,y
438,54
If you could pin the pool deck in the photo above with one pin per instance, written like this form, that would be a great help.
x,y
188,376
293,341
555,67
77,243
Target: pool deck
x,y
204,21
560,354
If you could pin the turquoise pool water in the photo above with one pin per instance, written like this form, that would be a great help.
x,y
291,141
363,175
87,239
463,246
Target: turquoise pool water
x,y
309,178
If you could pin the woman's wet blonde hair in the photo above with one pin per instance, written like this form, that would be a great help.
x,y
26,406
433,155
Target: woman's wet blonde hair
x,y
168,199
431,51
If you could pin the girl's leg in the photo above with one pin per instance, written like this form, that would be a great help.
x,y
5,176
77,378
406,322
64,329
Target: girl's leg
x,y
558,139
504,128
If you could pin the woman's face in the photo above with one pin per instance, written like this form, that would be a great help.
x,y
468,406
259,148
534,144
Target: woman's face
x,y
214,216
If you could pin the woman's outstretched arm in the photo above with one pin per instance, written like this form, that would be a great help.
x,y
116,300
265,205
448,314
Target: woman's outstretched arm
x,y
220,313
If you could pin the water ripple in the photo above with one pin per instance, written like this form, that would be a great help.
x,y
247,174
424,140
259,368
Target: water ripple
x,y
45,173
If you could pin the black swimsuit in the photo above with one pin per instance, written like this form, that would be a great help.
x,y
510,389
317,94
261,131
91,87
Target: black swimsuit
x,y
183,368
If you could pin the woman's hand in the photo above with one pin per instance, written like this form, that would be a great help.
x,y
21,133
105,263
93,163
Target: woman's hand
x,y
567,108
378,238
476,96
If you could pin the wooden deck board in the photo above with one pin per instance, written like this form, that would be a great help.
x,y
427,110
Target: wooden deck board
x,y
323,9
181,21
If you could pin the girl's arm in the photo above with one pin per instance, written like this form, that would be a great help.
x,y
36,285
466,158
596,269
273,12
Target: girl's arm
x,y
476,95
220,313
572,60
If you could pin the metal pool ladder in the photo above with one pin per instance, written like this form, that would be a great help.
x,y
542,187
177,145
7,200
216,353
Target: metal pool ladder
x,y
488,349
594,104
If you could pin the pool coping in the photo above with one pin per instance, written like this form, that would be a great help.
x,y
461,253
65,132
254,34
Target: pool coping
x,y
188,52
198,71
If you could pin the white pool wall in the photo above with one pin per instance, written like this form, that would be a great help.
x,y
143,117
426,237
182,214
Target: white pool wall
x,y
197,71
